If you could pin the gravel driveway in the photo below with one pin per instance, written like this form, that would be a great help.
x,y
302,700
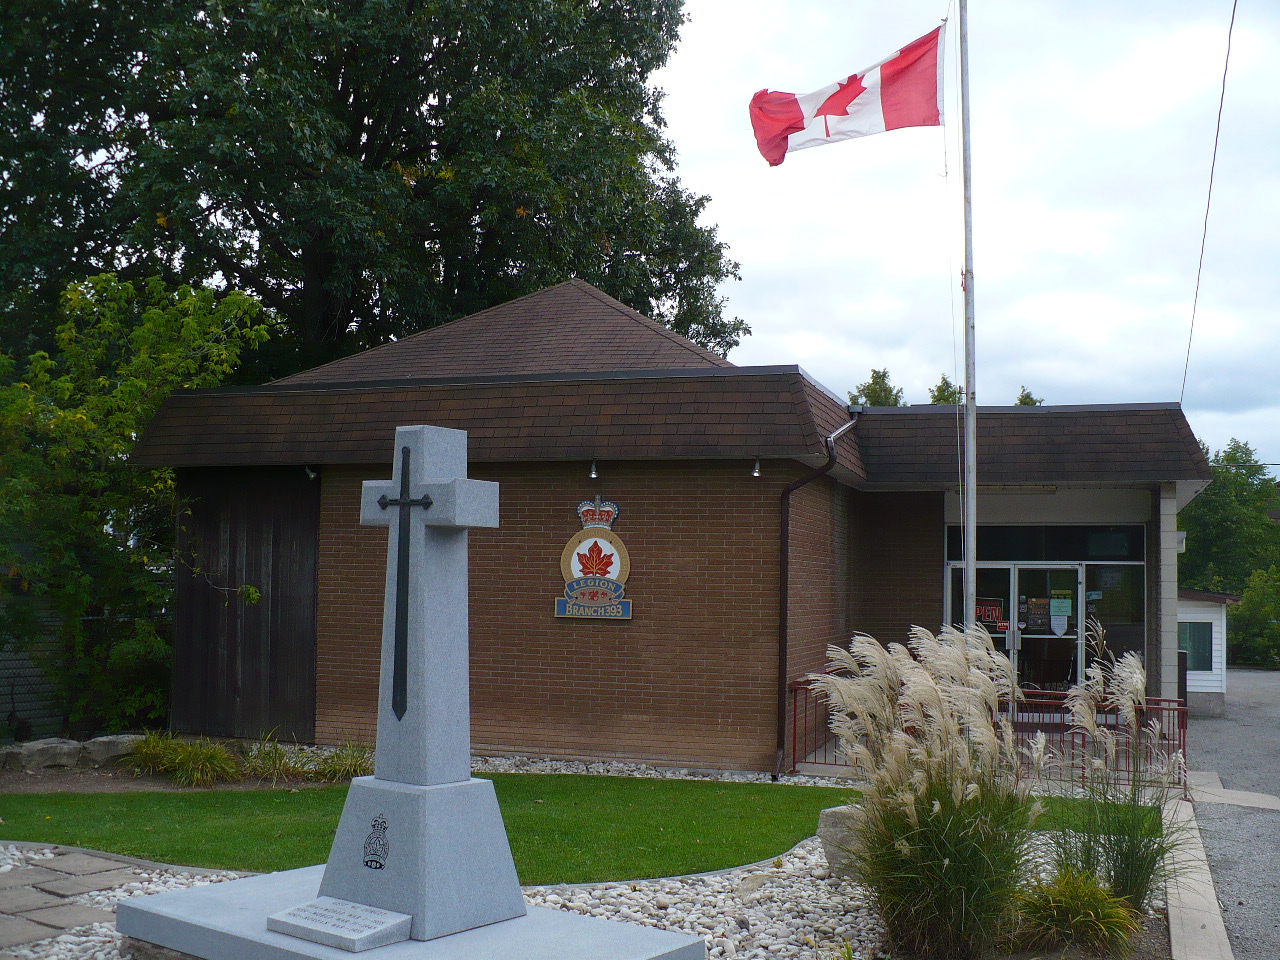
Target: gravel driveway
x,y
1243,843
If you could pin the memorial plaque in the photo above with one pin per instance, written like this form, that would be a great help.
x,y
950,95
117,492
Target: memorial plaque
x,y
340,923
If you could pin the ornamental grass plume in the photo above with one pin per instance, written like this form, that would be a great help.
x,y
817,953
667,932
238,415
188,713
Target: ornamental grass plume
x,y
1130,769
941,836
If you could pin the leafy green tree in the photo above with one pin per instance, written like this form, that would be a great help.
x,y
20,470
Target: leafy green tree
x,y
365,168
877,391
1027,399
85,539
946,392
1253,627
1229,531
75,95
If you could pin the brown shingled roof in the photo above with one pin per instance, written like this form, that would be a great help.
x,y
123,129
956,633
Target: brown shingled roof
x,y
570,373
568,328
1122,443
723,413
733,412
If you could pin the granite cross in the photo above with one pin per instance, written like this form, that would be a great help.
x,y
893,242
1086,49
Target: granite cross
x,y
424,707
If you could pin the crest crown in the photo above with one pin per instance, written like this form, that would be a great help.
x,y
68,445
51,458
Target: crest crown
x,y
597,513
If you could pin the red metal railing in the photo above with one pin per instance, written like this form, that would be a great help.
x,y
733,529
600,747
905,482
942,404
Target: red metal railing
x,y
811,739
812,744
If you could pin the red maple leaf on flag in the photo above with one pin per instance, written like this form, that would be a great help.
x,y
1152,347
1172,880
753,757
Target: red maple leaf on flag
x,y
595,562
837,105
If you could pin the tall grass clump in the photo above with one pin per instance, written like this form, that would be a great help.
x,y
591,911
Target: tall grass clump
x,y
151,754
1075,909
343,763
269,759
941,836
202,763
1127,774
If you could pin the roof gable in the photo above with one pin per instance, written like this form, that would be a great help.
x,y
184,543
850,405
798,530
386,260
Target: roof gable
x,y
568,328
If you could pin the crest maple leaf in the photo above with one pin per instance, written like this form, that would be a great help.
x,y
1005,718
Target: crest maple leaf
x,y
837,105
595,562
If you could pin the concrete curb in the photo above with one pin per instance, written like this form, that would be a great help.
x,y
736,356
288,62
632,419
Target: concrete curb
x,y
1235,798
1196,929
121,858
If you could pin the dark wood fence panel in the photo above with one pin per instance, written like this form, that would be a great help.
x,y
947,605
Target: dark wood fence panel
x,y
246,669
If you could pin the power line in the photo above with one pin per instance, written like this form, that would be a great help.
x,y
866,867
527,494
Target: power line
x,y
1222,98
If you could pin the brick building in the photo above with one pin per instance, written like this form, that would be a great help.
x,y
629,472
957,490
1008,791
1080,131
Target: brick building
x,y
763,518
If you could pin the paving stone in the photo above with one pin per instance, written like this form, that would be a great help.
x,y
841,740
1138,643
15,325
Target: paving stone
x,y
16,930
80,864
22,899
74,886
70,915
26,876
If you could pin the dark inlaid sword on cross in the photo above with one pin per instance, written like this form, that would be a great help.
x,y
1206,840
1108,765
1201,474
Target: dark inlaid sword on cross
x,y
400,667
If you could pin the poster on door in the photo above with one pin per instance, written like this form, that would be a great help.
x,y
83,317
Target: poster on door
x,y
1060,611
1035,617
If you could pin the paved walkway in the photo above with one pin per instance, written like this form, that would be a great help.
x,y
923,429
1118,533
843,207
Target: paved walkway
x,y
1238,809
37,902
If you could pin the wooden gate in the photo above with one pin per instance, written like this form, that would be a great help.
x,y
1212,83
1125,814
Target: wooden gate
x,y
246,669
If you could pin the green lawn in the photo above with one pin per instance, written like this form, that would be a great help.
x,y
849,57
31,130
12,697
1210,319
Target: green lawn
x,y
563,829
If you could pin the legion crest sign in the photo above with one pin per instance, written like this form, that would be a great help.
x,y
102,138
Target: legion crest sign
x,y
595,566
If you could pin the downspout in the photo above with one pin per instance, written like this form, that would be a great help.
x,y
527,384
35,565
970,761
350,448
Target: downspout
x,y
784,564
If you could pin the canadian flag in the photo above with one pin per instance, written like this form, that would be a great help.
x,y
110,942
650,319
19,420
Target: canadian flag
x,y
904,90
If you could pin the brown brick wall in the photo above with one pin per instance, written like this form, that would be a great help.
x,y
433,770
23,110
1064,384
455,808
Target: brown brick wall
x,y
818,603
690,679
899,564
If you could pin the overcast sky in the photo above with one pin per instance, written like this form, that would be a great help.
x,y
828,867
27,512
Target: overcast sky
x,y
1092,135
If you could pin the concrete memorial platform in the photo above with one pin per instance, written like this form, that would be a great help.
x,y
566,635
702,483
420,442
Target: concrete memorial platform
x,y
420,866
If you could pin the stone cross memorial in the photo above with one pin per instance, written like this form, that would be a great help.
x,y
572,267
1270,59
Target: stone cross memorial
x,y
421,837
420,868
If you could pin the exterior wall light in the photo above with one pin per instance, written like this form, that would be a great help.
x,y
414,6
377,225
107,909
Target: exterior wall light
x,y
594,474
755,471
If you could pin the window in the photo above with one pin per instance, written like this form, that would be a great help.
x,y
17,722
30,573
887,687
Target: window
x,y
1069,544
1196,637
1115,595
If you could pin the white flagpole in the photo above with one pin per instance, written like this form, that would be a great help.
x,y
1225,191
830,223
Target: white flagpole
x,y
970,355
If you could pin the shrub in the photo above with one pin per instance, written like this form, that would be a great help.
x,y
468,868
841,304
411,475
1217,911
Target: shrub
x,y
269,759
343,763
202,763
152,754
942,834
1075,909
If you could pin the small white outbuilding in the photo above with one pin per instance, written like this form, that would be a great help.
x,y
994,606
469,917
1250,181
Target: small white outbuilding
x,y
1202,633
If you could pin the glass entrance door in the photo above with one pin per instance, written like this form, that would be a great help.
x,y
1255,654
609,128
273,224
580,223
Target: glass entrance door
x,y
1047,637
994,609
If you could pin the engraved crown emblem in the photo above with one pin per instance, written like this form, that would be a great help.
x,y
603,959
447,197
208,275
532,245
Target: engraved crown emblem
x,y
597,513
376,847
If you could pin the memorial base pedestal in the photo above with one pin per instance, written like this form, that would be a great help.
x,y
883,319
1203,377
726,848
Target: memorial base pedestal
x,y
438,853
228,921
